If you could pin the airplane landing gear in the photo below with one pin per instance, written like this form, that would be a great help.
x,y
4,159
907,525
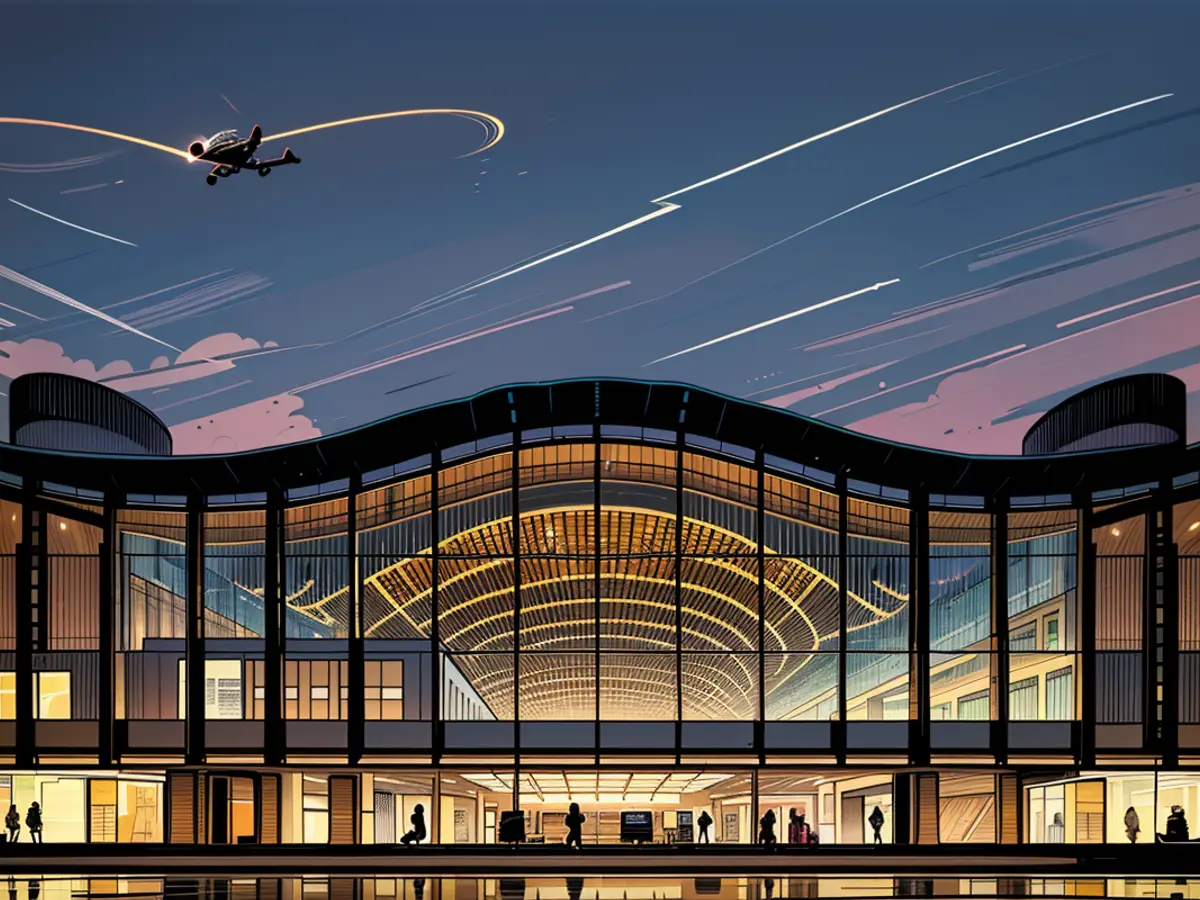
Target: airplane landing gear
x,y
211,179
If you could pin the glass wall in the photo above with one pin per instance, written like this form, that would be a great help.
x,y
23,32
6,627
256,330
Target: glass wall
x,y
476,599
151,614
642,605
394,529
961,635
234,614
801,616
66,671
1187,542
1120,589
878,582
316,586
1042,570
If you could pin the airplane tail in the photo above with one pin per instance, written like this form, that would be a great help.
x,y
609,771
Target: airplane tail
x,y
256,133
289,156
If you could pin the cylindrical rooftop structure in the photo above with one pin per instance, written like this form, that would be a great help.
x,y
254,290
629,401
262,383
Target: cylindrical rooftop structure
x,y
1147,409
53,411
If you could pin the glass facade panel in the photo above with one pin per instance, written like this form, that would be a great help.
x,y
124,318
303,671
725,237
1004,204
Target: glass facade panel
x,y
961,634
475,507
478,687
1187,542
1042,616
877,686
558,686
316,571
721,686
801,686
641,686
1042,687
151,613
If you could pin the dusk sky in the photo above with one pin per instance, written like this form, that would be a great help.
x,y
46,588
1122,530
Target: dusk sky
x,y
322,298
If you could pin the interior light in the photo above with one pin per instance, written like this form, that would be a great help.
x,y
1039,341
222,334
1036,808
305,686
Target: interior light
x,y
1191,527
1116,532
62,526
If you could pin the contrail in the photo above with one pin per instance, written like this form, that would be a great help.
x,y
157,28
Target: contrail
x,y
101,234
18,278
231,106
1057,65
777,320
496,133
904,187
666,207
90,187
428,348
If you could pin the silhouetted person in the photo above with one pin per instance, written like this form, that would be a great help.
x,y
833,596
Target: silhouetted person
x,y
705,822
575,820
13,823
574,888
419,888
35,887
769,888
766,833
876,823
1133,825
33,819
417,833
1177,827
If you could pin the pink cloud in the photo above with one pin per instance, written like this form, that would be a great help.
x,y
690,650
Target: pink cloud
x,y
963,412
208,356
263,423
37,355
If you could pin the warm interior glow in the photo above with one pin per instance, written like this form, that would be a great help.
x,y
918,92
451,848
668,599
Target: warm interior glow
x,y
1116,532
1194,526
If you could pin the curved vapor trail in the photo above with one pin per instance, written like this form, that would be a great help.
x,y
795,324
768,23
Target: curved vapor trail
x,y
775,321
18,278
65,165
491,120
429,348
100,234
664,206
896,190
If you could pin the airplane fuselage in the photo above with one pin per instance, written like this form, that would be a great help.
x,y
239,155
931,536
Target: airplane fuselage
x,y
230,154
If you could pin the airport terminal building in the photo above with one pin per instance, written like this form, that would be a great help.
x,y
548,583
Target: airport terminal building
x,y
641,597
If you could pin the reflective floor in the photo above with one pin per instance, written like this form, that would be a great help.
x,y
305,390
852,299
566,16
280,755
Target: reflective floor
x,y
590,888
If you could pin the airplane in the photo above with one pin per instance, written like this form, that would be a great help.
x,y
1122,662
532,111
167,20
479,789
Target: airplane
x,y
232,154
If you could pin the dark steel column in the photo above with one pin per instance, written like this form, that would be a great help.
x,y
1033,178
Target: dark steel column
x,y
918,623
1000,631
274,631
356,708
1085,604
28,581
839,728
107,644
515,525
680,443
597,561
435,628
1158,607
1168,639
194,665
760,526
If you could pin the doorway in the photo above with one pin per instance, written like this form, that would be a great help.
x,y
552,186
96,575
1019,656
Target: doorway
x,y
232,809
